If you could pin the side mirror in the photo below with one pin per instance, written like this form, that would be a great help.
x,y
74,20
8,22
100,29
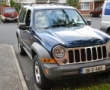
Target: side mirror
x,y
23,26
89,22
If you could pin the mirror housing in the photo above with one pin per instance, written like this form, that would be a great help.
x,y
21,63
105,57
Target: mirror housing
x,y
23,26
89,22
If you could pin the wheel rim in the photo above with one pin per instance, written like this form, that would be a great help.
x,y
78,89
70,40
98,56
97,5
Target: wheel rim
x,y
37,73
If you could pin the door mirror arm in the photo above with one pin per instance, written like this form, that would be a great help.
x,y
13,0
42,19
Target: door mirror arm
x,y
89,22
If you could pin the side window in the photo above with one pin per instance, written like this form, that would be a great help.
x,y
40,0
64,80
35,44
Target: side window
x,y
107,9
22,15
28,18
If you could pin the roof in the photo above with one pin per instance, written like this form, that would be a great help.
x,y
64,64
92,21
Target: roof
x,y
48,6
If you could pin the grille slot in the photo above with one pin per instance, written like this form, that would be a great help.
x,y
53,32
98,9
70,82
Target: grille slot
x,y
71,56
86,54
77,56
83,54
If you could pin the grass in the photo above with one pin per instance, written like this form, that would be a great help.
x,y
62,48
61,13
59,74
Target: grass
x,y
97,87
103,86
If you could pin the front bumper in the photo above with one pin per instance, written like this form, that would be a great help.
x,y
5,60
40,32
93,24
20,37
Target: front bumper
x,y
11,19
71,70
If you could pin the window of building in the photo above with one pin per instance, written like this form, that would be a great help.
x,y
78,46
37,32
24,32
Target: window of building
x,y
85,6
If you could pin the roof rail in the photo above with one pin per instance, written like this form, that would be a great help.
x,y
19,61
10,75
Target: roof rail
x,y
58,3
52,3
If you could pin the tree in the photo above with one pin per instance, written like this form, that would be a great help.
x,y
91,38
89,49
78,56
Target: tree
x,y
12,3
17,6
73,3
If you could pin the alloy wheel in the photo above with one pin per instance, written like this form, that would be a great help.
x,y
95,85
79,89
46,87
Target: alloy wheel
x,y
37,73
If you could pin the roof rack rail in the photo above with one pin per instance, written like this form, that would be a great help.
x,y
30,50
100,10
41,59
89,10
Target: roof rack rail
x,y
58,3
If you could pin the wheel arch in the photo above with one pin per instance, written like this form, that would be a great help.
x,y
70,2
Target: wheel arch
x,y
40,51
18,35
108,29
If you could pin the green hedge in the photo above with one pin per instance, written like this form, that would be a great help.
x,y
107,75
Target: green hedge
x,y
2,3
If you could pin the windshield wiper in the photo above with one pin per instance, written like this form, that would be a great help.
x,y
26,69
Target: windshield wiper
x,y
75,24
52,26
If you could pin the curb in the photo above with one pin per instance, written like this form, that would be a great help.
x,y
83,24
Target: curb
x,y
23,82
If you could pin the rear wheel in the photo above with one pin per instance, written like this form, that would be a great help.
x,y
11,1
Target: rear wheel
x,y
41,80
20,48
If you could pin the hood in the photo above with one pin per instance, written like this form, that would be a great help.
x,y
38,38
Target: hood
x,y
74,37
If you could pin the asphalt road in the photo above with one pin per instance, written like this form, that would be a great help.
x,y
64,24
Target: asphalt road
x,y
8,36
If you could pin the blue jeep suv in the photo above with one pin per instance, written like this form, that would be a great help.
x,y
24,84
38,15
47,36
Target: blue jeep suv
x,y
61,43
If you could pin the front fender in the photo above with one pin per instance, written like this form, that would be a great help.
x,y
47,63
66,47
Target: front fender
x,y
40,51
18,33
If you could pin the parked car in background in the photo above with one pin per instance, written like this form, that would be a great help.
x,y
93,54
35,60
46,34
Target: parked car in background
x,y
9,14
105,21
97,12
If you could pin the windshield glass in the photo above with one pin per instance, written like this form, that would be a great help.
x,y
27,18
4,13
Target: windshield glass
x,y
8,10
57,18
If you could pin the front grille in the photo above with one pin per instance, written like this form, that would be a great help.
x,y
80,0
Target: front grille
x,y
87,54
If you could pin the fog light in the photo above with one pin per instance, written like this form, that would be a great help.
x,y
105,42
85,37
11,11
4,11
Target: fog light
x,y
65,61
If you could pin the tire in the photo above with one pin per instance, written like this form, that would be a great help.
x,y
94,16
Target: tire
x,y
100,15
40,79
3,21
91,14
21,50
108,31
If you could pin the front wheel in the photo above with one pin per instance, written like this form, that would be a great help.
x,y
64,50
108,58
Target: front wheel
x,y
3,21
108,31
91,14
100,15
41,81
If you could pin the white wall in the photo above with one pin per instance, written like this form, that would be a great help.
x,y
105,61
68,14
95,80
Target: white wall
x,y
62,1
86,0
25,1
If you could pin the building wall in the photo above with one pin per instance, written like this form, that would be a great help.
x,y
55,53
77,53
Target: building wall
x,y
62,1
86,0
87,12
93,5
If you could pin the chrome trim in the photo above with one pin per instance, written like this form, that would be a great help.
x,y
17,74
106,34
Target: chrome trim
x,y
60,60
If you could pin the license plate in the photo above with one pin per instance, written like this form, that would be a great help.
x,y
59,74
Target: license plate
x,y
10,18
92,69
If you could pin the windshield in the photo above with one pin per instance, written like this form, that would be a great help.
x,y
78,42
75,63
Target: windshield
x,y
57,18
8,10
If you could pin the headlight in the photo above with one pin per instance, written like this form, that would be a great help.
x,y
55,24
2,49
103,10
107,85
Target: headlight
x,y
108,48
59,51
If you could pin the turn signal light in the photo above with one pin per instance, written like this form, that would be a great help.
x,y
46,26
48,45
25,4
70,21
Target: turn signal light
x,y
46,70
48,60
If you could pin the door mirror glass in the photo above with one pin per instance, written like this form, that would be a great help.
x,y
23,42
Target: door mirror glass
x,y
23,26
